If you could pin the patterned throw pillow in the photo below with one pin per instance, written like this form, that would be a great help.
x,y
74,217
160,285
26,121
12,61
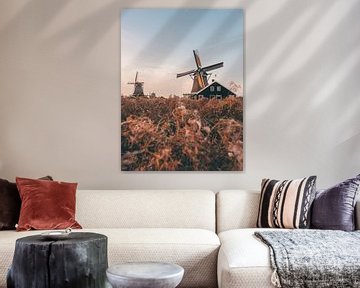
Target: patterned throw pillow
x,y
286,204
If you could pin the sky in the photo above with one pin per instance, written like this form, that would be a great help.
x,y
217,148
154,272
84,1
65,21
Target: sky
x,y
159,43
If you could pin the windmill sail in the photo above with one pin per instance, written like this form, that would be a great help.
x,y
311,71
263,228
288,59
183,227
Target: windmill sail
x,y
212,67
136,76
197,58
185,73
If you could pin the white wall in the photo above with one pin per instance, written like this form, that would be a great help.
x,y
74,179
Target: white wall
x,y
59,92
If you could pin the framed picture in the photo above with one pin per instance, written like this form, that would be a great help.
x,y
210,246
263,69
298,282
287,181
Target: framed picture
x,y
182,89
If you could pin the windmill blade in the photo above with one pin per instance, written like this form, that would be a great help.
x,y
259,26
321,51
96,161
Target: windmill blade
x,y
197,58
136,76
214,66
185,73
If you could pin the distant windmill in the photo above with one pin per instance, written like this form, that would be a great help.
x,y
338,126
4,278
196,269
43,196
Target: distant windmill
x,y
138,86
199,75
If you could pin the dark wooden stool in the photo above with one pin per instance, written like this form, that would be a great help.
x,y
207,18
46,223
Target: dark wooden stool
x,y
79,261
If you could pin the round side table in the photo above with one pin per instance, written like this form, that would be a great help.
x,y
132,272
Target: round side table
x,y
145,275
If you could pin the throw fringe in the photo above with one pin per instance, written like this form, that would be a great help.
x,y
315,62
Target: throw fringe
x,y
275,280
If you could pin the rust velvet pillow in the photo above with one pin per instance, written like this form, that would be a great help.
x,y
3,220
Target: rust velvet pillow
x,y
46,204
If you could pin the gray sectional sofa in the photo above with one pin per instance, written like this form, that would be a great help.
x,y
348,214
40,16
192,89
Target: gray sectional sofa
x,y
210,235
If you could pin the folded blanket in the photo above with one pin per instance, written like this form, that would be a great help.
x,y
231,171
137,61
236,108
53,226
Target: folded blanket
x,y
313,258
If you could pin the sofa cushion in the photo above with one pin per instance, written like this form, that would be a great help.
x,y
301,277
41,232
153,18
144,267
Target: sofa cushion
x,y
244,261
194,249
236,209
334,208
286,204
46,204
153,209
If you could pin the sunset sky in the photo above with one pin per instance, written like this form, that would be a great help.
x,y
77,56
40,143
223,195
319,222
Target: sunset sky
x,y
159,42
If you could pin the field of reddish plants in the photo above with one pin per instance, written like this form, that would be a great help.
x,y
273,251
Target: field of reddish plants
x,y
181,134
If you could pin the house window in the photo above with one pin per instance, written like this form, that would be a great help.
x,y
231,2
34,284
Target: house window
x,y
212,88
200,96
218,88
212,96
218,96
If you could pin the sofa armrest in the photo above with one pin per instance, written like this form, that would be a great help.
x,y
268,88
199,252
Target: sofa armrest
x,y
357,215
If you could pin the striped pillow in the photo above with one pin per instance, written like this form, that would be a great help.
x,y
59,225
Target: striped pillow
x,y
286,204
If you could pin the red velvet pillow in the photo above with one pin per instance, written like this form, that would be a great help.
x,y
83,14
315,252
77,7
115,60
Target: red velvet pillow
x,y
46,204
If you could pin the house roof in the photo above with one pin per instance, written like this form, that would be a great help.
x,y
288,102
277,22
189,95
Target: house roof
x,y
212,83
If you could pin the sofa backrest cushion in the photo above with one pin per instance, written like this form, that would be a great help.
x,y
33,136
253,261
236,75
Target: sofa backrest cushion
x,y
236,209
146,209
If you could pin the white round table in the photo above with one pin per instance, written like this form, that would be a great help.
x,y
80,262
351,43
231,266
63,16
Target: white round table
x,y
145,275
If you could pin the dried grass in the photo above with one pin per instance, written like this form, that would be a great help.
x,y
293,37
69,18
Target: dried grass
x,y
179,134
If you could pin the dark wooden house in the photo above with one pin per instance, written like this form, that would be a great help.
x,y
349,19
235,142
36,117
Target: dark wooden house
x,y
213,91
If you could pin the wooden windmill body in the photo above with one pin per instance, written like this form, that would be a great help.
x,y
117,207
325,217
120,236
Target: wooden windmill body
x,y
138,86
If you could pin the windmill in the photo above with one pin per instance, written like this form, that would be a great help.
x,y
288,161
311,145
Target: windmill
x,y
138,86
199,75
